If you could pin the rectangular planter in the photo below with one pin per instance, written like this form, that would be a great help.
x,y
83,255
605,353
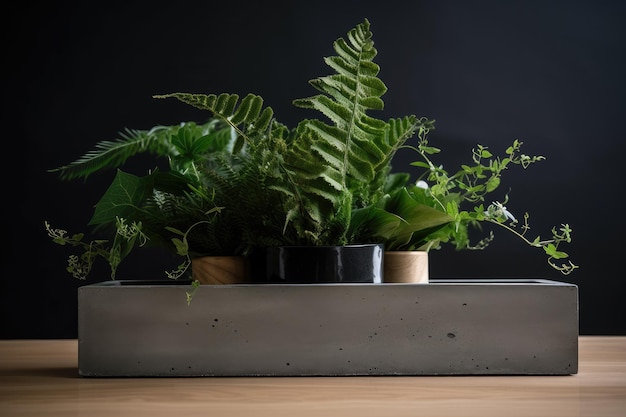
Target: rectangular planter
x,y
446,327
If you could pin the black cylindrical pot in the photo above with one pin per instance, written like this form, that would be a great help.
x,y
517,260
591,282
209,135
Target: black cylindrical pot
x,y
319,264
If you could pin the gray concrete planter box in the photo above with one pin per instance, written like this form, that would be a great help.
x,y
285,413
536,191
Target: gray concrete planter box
x,y
446,327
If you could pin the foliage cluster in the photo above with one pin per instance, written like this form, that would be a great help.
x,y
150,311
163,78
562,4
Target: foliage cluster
x,y
244,180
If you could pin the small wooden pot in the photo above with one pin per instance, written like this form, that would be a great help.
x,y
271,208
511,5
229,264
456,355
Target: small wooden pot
x,y
406,267
221,269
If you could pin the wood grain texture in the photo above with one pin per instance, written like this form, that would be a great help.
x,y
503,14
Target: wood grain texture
x,y
39,378
406,266
210,270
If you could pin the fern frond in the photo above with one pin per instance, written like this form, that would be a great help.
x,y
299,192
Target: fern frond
x,y
247,117
112,154
354,144
356,147
317,172
108,154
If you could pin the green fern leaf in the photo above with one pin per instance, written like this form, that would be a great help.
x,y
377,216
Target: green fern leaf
x,y
317,172
248,112
356,147
112,154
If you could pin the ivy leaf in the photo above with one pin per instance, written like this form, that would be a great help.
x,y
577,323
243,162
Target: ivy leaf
x,y
430,150
182,247
551,250
484,153
492,184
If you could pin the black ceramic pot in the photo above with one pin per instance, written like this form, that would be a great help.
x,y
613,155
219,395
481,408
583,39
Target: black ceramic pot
x,y
319,264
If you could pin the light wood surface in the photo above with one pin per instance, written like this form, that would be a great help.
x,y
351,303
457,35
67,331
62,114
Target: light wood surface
x,y
406,266
39,378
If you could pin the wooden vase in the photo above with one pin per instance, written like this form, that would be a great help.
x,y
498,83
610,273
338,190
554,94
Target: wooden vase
x,y
221,269
406,267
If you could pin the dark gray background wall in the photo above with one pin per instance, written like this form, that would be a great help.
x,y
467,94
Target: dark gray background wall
x,y
550,73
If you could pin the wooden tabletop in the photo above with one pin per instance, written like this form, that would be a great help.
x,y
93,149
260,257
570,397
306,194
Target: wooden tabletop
x,y
40,378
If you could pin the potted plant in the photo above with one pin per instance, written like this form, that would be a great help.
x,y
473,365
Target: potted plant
x,y
171,207
302,184
462,196
243,184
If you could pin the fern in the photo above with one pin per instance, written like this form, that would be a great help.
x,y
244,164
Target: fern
x,y
356,148
247,117
111,154
320,170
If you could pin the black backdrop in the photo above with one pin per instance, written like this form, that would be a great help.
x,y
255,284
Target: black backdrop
x,y
550,73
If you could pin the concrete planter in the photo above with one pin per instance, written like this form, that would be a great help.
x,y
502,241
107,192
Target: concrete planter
x,y
446,327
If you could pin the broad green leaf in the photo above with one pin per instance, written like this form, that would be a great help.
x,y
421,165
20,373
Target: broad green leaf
x,y
123,198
